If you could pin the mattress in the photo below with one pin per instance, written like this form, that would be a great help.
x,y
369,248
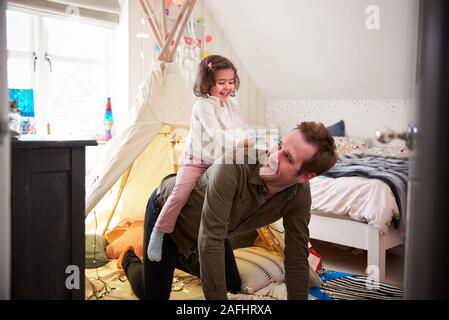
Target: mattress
x,y
358,198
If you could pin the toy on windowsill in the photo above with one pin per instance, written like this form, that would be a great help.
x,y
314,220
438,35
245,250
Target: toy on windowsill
x,y
14,120
25,103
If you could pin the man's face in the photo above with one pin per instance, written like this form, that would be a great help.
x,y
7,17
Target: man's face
x,y
284,161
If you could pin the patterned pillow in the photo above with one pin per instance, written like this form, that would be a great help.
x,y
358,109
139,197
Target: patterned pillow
x,y
258,268
350,145
272,238
395,152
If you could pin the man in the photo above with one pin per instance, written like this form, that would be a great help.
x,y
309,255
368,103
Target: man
x,y
232,199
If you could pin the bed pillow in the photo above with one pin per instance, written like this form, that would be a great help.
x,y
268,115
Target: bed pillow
x,y
388,151
258,268
338,129
95,255
133,236
350,145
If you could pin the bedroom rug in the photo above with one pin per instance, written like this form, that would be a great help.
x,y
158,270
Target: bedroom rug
x,y
343,286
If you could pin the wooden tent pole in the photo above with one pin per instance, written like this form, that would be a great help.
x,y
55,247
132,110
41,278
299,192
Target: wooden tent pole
x,y
155,21
181,32
163,23
117,198
144,6
172,32
164,20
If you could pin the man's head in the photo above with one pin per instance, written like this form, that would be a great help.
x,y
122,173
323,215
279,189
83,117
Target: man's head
x,y
304,153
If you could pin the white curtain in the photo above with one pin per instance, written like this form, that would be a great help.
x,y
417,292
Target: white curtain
x,y
106,11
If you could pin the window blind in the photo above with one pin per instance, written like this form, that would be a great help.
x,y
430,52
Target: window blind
x,y
107,11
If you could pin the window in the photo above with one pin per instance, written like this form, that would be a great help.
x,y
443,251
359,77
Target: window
x,y
67,64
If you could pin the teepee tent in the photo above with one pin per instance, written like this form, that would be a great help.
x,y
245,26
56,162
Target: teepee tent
x,y
133,162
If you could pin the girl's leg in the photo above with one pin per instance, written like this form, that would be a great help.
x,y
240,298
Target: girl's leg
x,y
185,181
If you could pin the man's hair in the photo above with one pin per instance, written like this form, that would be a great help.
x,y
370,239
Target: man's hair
x,y
326,156
205,78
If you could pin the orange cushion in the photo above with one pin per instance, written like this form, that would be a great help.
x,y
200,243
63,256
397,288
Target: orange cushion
x,y
133,236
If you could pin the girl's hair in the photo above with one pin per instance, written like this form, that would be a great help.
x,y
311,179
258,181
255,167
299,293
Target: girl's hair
x,y
205,79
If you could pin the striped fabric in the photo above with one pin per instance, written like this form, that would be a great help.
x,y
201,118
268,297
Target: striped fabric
x,y
360,288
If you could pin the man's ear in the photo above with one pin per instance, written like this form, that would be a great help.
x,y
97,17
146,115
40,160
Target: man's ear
x,y
304,177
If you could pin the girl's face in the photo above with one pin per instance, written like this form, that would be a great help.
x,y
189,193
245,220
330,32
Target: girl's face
x,y
224,84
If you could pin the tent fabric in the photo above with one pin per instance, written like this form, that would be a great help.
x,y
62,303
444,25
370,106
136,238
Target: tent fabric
x,y
163,99
153,164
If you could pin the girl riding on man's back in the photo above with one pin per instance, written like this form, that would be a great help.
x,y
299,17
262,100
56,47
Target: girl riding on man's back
x,y
215,124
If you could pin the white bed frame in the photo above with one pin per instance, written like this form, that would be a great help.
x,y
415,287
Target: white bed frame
x,y
359,235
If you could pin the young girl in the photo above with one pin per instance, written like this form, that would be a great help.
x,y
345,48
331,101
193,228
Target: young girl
x,y
215,123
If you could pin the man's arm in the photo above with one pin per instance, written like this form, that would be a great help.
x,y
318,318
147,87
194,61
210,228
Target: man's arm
x,y
297,252
213,230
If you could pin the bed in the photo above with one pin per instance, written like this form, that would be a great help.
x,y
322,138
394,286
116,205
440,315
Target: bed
x,y
357,209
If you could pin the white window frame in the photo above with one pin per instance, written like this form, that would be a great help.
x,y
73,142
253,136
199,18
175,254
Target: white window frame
x,y
40,81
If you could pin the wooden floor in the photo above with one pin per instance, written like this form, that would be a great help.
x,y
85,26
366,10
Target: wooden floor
x,y
350,260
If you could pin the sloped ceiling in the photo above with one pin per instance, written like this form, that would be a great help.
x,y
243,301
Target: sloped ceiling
x,y
321,49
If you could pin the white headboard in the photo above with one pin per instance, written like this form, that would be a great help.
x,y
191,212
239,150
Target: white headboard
x,y
362,117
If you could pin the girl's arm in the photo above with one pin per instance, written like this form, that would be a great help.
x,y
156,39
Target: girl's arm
x,y
208,119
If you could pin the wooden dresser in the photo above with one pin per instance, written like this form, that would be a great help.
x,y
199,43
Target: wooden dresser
x,y
48,191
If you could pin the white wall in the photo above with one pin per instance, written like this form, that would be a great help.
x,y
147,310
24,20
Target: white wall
x,y
251,99
141,51
132,65
362,117
5,215
133,60
321,49
295,54
317,60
